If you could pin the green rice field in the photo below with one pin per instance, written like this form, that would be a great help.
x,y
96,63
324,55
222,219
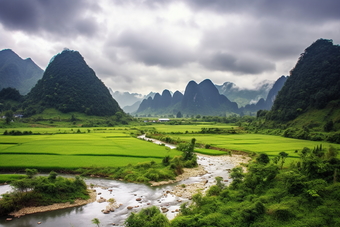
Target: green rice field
x,y
271,145
112,148
64,148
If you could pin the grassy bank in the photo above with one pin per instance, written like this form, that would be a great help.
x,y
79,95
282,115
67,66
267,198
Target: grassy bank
x,y
7,178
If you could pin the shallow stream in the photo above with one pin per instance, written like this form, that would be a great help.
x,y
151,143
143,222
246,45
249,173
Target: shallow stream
x,y
124,193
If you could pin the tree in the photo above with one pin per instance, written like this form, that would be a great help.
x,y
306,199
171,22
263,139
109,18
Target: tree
x,y
95,221
328,126
9,116
53,175
31,172
263,159
179,115
22,185
283,156
150,217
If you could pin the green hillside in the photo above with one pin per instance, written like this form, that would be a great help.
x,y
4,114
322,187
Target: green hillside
x,y
70,85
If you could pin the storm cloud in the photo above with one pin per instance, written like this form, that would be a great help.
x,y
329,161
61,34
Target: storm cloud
x,y
62,17
130,43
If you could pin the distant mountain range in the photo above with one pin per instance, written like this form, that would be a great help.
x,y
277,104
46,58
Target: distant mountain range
x,y
70,85
18,73
130,101
205,99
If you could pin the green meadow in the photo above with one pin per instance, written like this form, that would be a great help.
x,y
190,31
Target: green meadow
x,y
68,148
99,148
271,145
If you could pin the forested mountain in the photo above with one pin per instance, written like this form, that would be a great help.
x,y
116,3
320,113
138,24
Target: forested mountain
x,y
244,96
18,73
204,98
69,84
313,82
164,103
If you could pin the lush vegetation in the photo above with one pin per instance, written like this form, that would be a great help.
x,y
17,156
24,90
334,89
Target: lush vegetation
x,y
305,194
149,217
40,191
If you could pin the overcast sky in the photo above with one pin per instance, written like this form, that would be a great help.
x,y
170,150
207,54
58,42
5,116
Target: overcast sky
x,y
152,45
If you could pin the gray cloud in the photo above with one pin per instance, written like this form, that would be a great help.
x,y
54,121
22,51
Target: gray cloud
x,y
62,17
154,48
311,10
243,65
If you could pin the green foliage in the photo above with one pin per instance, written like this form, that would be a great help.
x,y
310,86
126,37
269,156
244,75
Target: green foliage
x,y
95,221
149,217
328,126
41,191
263,159
31,172
9,116
266,196
166,160
283,155
10,94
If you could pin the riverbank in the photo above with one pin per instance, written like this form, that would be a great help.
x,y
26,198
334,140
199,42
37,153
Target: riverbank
x,y
187,190
56,206
187,173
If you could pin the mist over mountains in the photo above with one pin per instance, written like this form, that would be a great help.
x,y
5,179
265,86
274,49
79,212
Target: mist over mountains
x,y
244,96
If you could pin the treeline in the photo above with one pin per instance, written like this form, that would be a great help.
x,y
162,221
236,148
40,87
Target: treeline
x,y
305,193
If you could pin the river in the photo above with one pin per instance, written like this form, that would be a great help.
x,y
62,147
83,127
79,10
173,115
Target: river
x,y
124,193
